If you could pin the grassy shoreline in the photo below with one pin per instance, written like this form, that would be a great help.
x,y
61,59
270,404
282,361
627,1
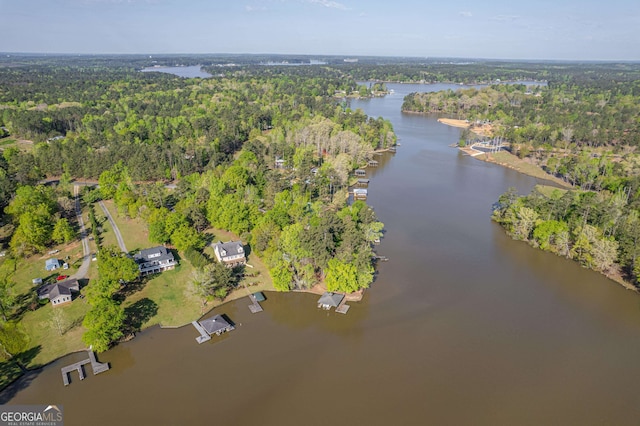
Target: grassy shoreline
x,y
510,161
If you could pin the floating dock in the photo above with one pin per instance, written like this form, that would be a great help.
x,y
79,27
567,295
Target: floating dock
x,y
343,308
204,336
97,367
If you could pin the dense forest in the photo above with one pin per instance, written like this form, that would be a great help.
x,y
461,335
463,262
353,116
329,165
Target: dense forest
x,y
267,153
583,127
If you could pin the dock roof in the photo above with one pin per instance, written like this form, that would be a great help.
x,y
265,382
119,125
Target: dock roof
x,y
330,299
214,324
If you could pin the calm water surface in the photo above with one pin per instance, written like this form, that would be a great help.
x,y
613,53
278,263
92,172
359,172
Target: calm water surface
x,y
462,326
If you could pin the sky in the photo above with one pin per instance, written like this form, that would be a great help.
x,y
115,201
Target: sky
x,y
499,29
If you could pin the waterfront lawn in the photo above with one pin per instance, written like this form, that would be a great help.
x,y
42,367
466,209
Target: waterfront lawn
x,y
548,190
256,278
507,159
167,299
134,231
57,331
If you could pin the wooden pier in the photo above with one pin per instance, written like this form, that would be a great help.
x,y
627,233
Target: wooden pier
x,y
343,308
97,367
254,307
204,336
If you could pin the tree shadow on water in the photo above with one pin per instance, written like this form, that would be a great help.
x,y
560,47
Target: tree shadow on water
x,y
139,313
14,377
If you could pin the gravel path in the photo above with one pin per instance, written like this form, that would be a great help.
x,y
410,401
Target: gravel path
x,y
86,260
116,231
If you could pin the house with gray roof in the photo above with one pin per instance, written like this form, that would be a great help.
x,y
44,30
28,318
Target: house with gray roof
x,y
216,325
154,260
59,293
330,300
230,254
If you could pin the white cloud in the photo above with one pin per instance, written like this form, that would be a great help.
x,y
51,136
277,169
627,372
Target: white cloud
x,y
329,3
466,14
505,18
254,8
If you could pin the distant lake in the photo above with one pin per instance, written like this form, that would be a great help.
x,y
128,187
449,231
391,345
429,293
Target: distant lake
x,y
186,72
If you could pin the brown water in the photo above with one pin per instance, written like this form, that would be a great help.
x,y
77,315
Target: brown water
x,y
462,326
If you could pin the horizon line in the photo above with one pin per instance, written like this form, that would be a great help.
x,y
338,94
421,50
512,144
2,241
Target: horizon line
x,y
55,54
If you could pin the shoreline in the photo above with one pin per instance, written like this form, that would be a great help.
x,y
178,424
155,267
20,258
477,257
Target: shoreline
x,y
516,164
454,122
317,289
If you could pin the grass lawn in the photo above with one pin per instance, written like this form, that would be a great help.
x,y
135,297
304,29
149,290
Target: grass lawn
x,y
23,271
107,237
42,331
547,190
134,231
169,293
261,281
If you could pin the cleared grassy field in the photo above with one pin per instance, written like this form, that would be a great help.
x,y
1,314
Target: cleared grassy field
x,y
134,231
549,191
164,299
511,161
55,336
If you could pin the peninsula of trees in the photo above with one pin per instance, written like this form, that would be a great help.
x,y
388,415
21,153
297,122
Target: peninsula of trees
x,y
264,153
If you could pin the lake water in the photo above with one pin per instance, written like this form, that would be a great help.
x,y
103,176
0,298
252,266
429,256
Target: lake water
x,y
462,326
192,71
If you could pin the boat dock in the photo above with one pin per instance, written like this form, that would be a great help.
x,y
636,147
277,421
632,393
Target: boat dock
x,y
97,367
204,336
381,258
254,307
343,308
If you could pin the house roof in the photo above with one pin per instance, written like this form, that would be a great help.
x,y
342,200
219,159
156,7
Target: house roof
x,y
62,288
153,254
330,299
214,324
231,248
